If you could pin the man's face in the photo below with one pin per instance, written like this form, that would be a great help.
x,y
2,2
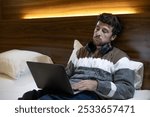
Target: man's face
x,y
102,34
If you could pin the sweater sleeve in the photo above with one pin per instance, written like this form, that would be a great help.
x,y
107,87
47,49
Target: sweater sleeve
x,y
122,85
70,69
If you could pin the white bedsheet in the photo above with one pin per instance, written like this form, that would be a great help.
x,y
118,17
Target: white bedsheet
x,y
141,95
11,89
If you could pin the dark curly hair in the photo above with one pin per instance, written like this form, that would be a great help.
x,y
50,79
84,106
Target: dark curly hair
x,y
111,20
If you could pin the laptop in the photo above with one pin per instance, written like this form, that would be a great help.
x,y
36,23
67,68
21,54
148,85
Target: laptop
x,y
51,77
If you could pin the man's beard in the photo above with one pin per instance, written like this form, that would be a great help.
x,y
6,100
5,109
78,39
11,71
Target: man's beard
x,y
97,41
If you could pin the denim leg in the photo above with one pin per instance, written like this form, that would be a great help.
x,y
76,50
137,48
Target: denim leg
x,y
85,95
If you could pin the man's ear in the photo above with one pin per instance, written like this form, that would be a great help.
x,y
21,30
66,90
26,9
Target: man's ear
x,y
113,37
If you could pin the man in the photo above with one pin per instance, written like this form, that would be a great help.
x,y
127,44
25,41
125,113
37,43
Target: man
x,y
100,71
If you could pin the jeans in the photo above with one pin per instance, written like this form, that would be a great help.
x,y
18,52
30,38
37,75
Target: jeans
x,y
85,95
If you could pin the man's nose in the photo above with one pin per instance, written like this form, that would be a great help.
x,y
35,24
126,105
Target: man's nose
x,y
99,33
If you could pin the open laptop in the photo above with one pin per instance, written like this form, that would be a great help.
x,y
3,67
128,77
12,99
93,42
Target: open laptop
x,y
50,77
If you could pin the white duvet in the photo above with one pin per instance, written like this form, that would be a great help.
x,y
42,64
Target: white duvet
x,y
11,89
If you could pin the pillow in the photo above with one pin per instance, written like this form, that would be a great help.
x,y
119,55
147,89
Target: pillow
x,y
139,69
76,46
13,62
136,66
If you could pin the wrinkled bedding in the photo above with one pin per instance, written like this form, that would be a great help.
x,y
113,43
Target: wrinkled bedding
x,y
11,89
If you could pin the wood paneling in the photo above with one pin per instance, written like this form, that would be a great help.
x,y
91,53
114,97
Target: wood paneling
x,y
54,37
15,9
136,41
50,36
0,9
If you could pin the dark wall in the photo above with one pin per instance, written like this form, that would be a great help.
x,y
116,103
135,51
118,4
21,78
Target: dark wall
x,y
54,37
0,9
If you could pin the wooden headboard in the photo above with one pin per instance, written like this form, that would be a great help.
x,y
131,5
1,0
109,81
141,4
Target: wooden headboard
x,y
55,36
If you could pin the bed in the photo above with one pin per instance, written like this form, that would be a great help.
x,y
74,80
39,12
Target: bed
x,y
54,38
16,87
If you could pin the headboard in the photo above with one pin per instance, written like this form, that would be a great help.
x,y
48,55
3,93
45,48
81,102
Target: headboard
x,y
55,36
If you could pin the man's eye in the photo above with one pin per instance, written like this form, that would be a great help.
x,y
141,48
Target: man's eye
x,y
97,29
105,31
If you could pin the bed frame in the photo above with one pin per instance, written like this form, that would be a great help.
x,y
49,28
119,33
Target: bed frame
x,y
55,37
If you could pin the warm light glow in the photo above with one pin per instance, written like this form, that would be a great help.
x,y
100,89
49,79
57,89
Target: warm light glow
x,y
48,15
78,10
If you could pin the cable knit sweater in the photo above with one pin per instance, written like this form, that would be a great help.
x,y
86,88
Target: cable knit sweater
x,y
111,70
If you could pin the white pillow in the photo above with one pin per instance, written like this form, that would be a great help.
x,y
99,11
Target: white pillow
x,y
76,46
139,69
136,66
13,62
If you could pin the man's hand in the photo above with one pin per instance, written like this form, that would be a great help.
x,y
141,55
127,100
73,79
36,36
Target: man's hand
x,y
90,85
